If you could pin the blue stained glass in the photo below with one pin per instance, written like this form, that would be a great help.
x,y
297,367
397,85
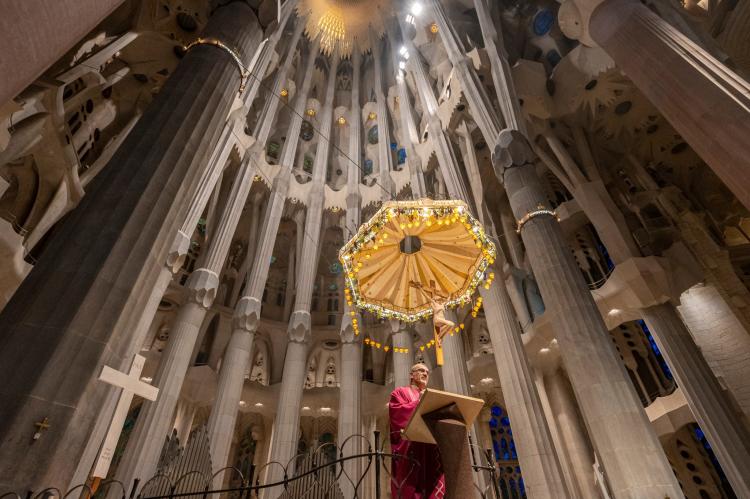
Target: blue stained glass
x,y
496,410
401,156
368,166
510,432
493,423
393,146
655,348
543,22
699,434
505,421
522,487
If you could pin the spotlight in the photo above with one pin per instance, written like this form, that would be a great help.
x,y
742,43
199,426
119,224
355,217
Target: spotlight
x,y
416,8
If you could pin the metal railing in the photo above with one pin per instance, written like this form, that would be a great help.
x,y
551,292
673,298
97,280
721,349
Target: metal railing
x,y
321,475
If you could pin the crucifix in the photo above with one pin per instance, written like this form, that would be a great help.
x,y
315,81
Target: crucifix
x,y
441,325
131,385
41,426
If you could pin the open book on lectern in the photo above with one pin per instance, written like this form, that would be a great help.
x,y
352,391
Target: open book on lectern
x,y
432,400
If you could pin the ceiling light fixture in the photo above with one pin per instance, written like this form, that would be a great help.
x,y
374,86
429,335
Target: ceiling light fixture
x,y
416,8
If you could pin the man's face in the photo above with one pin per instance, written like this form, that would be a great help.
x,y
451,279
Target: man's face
x,y
420,375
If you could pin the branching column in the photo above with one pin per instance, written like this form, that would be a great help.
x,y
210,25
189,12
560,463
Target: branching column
x,y
632,455
501,75
286,425
707,103
471,86
78,303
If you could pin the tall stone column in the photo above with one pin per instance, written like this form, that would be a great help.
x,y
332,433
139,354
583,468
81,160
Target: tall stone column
x,y
707,103
536,453
561,451
724,428
484,437
353,176
408,130
183,421
385,158
286,424
631,453
142,453
223,419
542,472
78,303
252,242
350,420
572,433
402,362
138,325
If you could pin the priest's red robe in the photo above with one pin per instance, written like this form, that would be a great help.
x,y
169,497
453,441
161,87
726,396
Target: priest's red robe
x,y
424,480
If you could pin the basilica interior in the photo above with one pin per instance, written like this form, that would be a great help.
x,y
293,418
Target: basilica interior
x,y
178,177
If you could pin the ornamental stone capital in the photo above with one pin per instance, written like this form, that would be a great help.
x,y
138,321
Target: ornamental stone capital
x,y
300,324
178,251
512,150
201,286
347,333
247,314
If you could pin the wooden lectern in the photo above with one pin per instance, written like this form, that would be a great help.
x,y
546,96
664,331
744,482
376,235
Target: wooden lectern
x,y
443,418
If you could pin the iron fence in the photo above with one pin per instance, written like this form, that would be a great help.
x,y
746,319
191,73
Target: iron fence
x,y
321,473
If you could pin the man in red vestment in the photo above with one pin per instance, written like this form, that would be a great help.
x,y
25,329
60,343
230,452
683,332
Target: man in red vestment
x,y
421,476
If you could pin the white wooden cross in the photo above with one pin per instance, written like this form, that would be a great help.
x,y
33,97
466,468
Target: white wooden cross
x,y
131,385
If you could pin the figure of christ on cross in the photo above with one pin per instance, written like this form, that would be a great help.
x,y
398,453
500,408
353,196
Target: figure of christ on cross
x,y
420,474
442,326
